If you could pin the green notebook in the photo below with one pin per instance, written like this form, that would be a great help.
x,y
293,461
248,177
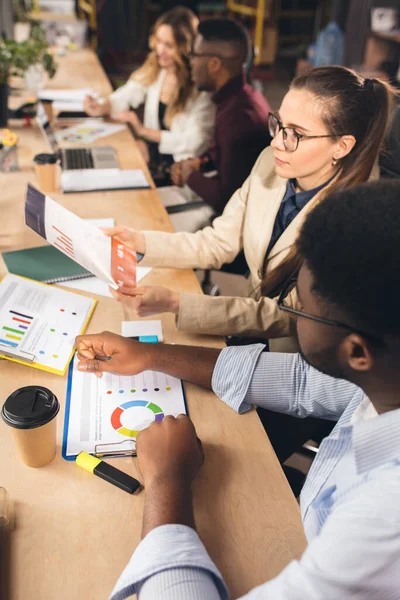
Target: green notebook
x,y
45,264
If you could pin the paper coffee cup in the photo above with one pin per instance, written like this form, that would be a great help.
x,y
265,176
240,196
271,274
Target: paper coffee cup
x,y
30,411
46,172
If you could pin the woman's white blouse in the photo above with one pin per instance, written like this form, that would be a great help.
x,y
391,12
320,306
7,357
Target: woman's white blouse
x,y
190,131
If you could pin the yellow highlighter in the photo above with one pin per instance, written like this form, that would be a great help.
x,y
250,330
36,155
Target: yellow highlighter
x,y
108,472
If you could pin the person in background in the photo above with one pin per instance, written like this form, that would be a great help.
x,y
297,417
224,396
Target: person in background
x,y
348,327
221,51
326,135
178,121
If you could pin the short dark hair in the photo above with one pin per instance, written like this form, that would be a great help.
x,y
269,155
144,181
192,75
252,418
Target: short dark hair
x,y
351,244
227,31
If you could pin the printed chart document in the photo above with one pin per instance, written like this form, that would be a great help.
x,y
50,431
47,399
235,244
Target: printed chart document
x,y
89,180
88,131
106,415
39,323
107,258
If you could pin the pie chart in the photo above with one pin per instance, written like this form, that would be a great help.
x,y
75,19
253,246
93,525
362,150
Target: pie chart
x,y
128,410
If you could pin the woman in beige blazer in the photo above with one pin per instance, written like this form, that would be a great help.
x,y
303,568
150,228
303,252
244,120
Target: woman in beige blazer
x,y
326,136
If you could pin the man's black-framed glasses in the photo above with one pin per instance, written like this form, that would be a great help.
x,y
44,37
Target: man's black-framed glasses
x,y
290,136
290,285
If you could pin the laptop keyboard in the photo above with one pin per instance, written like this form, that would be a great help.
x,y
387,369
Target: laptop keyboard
x,y
78,158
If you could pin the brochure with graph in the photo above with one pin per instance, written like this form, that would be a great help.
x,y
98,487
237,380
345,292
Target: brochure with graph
x,y
107,258
104,416
39,323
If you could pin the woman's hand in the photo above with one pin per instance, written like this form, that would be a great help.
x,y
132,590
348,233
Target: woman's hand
x,y
94,108
133,239
148,300
129,116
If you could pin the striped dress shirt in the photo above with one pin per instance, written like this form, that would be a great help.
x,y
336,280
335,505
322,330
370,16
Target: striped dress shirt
x,y
350,503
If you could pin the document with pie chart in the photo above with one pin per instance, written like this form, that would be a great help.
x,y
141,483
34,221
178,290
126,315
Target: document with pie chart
x,y
106,415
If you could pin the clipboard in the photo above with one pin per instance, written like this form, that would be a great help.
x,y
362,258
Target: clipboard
x,y
21,327
116,445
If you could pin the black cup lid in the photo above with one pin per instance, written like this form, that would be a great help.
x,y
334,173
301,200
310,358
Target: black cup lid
x,y
45,159
30,407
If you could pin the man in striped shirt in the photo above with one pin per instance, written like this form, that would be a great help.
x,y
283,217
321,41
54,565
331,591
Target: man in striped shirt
x,y
348,325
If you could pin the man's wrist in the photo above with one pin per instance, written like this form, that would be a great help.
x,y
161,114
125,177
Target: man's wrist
x,y
168,502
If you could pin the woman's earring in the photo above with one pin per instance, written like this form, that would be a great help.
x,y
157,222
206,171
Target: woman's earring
x,y
334,161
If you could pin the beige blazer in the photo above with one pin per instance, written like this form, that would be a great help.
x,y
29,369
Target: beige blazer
x,y
247,224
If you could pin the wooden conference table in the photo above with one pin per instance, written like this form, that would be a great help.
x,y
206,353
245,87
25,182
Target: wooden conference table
x,y
74,533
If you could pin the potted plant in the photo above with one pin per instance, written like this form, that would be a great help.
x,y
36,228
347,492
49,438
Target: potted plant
x,y
31,59
23,59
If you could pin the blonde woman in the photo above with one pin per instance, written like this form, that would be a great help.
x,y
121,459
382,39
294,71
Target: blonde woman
x,y
178,121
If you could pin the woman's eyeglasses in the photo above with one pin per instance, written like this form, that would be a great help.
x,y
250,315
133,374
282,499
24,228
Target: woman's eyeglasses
x,y
290,136
289,286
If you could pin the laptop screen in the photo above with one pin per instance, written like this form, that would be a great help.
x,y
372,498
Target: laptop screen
x,y
46,128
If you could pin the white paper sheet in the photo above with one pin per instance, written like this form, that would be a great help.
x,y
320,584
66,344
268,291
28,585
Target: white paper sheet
x,y
106,258
60,105
40,321
89,180
78,239
88,132
106,222
114,409
138,328
65,95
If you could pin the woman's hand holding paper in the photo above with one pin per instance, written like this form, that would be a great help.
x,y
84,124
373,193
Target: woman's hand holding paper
x,y
134,239
94,108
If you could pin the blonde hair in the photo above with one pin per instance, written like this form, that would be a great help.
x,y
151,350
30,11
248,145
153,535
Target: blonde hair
x,y
183,23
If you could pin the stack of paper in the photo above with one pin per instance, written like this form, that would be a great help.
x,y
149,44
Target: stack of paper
x,y
103,179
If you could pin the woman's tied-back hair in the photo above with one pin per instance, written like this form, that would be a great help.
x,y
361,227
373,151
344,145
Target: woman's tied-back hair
x,y
351,105
183,23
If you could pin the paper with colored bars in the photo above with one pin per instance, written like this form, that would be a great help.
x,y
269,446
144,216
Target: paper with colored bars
x,y
104,416
107,258
39,323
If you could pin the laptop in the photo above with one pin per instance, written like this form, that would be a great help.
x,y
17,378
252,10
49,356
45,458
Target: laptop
x,y
72,159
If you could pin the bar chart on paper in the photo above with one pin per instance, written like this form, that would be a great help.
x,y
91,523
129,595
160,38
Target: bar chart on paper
x,y
39,323
113,409
63,242
14,327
